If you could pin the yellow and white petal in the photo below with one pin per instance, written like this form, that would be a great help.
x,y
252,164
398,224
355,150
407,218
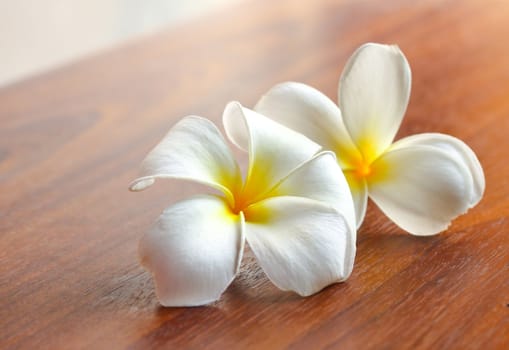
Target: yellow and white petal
x,y
308,111
374,90
274,150
359,191
193,149
421,188
193,251
302,245
455,148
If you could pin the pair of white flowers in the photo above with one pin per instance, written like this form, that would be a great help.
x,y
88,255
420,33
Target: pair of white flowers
x,y
311,168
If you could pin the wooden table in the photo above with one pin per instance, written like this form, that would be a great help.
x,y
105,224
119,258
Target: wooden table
x,y
71,141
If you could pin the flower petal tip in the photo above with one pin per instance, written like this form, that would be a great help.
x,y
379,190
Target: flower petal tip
x,y
141,184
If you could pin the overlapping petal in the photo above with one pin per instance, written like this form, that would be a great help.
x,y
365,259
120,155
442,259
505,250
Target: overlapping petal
x,y
374,90
321,179
193,251
308,111
274,150
359,190
301,244
193,149
455,148
421,188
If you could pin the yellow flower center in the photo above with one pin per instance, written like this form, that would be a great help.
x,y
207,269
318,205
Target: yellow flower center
x,y
374,170
249,191
243,197
240,203
363,169
360,163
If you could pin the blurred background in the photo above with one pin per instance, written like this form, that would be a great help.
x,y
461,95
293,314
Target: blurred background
x,y
36,36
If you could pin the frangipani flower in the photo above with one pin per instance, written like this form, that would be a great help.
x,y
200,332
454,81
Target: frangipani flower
x,y
421,182
294,208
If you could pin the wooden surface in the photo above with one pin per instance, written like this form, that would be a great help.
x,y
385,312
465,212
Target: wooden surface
x,y
71,141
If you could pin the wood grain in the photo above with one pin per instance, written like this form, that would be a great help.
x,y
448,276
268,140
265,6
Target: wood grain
x,y
71,141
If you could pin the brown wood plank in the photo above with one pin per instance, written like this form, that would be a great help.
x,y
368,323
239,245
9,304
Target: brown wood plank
x,y
71,141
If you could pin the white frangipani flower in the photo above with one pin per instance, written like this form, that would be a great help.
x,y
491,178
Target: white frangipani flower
x,y
421,182
294,208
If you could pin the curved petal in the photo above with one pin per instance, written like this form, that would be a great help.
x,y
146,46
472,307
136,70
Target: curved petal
x,y
274,150
302,245
193,149
308,111
374,90
320,179
421,188
455,148
359,190
193,251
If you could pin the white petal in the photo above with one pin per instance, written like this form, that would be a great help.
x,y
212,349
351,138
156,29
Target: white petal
x,y
301,244
308,111
193,251
374,90
320,179
421,188
274,150
359,191
456,148
193,149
